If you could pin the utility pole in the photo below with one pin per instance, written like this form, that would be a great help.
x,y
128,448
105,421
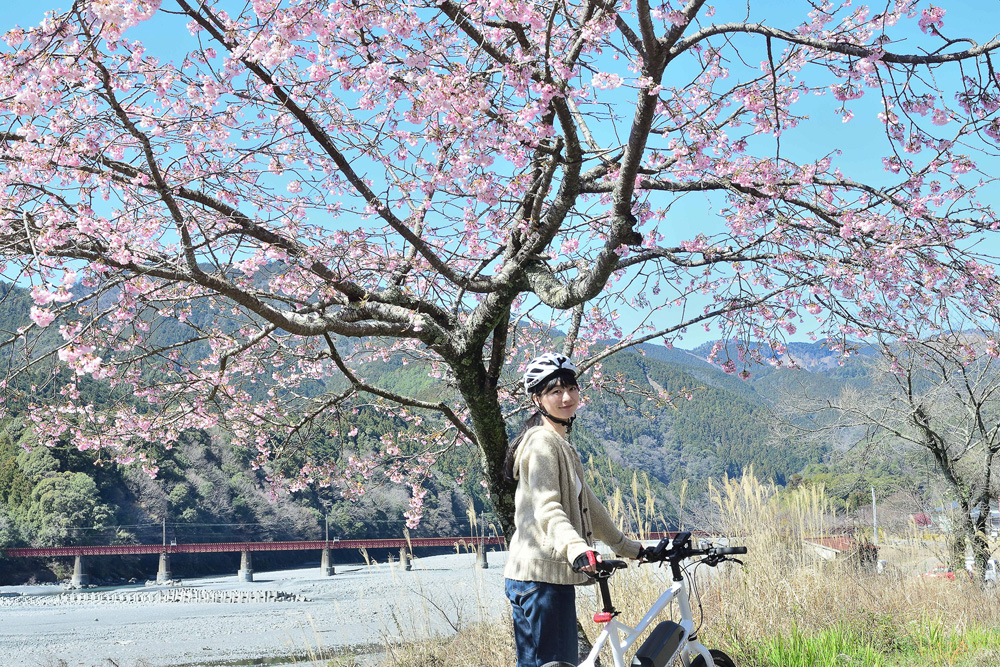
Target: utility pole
x,y
874,520
164,533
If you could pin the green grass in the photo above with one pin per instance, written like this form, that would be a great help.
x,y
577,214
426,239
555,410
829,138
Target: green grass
x,y
877,642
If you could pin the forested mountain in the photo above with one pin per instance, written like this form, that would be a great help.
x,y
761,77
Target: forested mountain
x,y
715,424
713,427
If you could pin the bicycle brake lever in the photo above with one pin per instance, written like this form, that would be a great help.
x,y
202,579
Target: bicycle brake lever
x,y
596,576
712,561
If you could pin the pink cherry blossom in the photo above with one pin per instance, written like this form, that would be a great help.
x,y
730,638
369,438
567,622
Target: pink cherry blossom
x,y
931,18
41,317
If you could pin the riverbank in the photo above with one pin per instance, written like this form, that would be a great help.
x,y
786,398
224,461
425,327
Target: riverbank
x,y
221,621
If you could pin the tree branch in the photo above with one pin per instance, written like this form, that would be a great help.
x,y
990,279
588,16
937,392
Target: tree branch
x,y
832,46
361,385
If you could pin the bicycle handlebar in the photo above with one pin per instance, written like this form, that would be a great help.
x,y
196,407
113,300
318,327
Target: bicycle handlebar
x,y
674,552
605,568
680,549
725,551
610,566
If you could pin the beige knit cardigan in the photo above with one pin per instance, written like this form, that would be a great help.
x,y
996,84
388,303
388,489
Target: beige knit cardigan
x,y
554,525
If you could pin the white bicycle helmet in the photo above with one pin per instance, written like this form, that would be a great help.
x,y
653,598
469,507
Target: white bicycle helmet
x,y
541,368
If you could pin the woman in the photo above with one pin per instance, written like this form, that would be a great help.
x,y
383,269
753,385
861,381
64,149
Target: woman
x,y
556,519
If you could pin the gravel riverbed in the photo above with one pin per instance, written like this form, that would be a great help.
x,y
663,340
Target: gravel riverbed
x,y
221,621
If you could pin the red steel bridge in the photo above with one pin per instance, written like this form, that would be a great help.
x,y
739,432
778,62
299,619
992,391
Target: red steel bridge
x,y
220,547
405,546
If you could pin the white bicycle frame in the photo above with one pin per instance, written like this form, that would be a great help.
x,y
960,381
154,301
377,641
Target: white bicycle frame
x,y
621,637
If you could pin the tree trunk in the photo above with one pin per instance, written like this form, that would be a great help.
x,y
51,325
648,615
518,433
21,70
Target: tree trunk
x,y
957,545
491,430
970,533
978,539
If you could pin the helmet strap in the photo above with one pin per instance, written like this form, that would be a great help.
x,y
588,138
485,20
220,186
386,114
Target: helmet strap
x,y
568,423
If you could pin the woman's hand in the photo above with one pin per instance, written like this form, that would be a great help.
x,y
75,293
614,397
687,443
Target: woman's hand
x,y
587,562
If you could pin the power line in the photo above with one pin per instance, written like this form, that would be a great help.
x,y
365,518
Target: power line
x,y
159,524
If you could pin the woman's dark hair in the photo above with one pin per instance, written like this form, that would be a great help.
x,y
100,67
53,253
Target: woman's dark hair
x,y
561,378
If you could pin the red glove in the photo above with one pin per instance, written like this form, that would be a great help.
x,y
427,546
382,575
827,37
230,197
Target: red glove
x,y
586,559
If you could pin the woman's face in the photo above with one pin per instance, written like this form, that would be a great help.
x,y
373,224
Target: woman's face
x,y
560,401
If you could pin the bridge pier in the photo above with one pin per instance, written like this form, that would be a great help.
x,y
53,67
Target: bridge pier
x,y
163,573
481,557
80,576
404,558
326,564
246,567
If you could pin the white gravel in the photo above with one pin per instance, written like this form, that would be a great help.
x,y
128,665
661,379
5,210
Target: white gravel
x,y
351,611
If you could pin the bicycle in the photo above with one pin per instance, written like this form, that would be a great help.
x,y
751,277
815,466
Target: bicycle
x,y
669,640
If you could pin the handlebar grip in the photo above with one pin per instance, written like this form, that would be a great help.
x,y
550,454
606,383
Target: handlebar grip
x,y
726,551
611,565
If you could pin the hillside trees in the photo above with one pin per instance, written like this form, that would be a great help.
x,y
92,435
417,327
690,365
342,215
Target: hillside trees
x,y
61,503
448,182
713,431
203,489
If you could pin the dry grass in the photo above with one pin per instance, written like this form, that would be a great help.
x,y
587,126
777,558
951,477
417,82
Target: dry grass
x,y
786,587
785,590
479,645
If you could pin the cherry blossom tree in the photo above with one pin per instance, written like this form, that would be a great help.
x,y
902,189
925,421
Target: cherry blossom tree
x,y
452,182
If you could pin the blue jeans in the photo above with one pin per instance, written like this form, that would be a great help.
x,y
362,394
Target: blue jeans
x,y
544,622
